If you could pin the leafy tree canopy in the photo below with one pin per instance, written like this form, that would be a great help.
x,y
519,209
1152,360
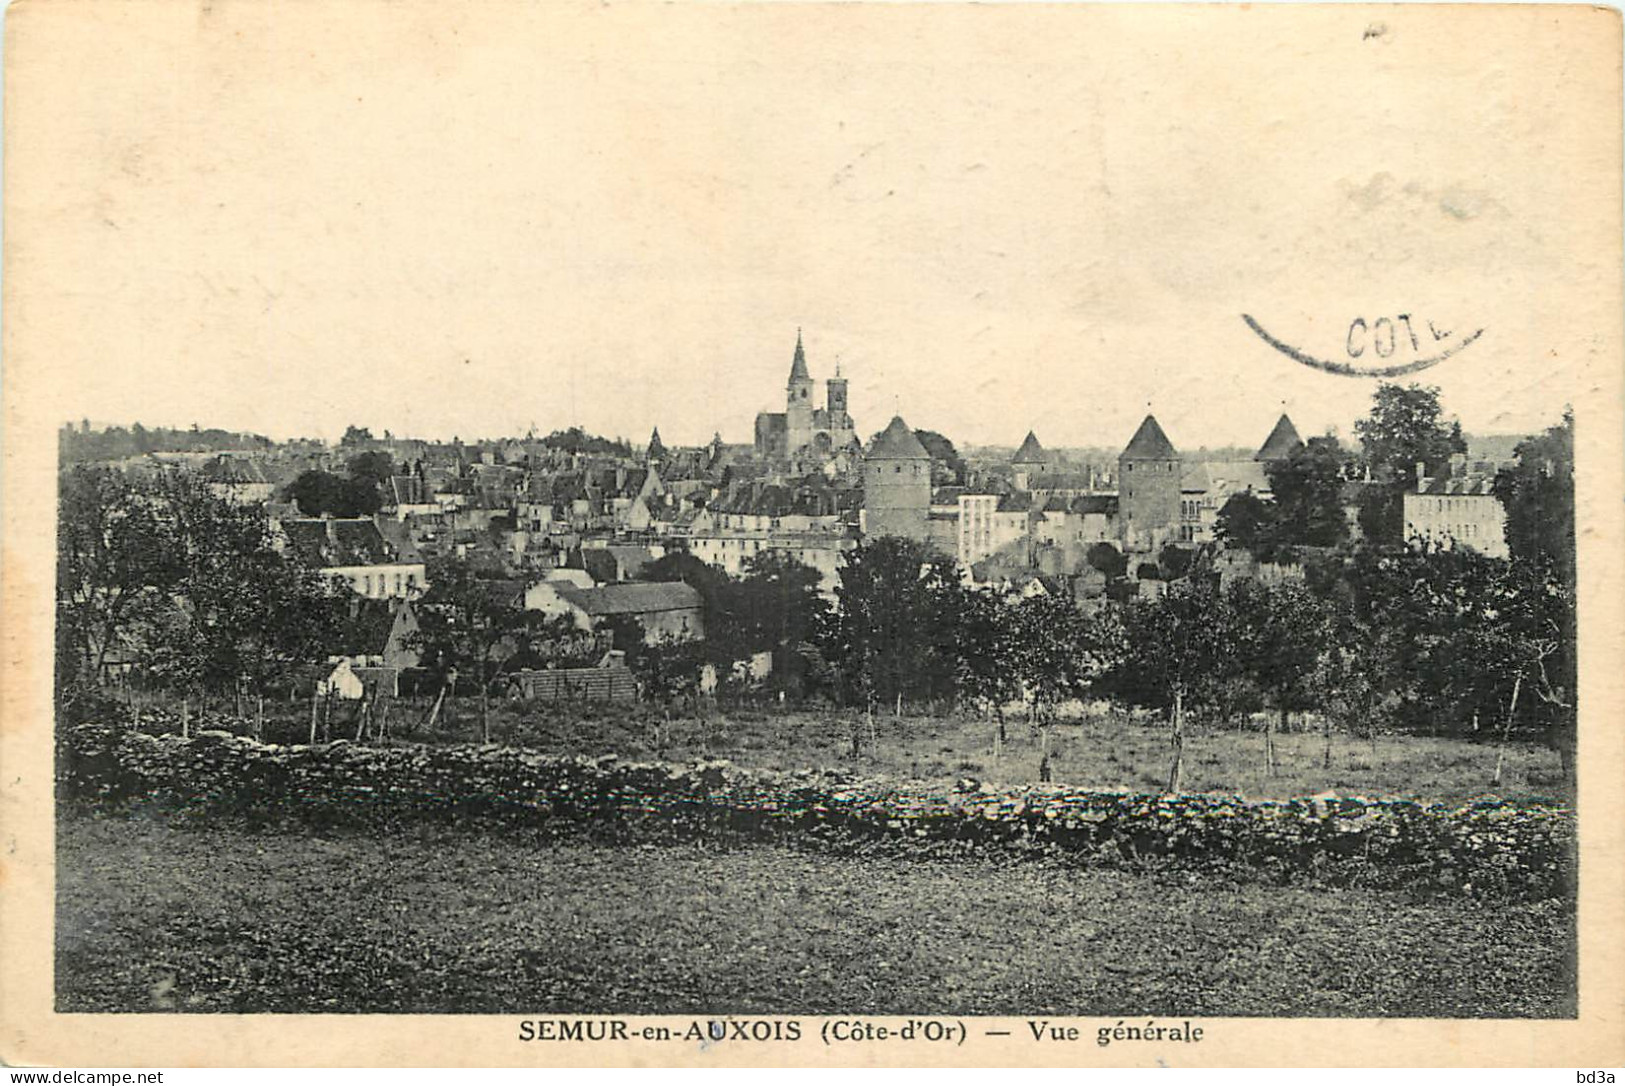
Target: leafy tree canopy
x,y
1406,426
1538,493
319,492
1308,493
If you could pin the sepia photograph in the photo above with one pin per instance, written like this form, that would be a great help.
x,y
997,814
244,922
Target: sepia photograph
x,y
772,517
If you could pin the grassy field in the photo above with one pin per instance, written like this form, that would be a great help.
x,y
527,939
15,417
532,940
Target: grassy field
x,y
151,917
1112,751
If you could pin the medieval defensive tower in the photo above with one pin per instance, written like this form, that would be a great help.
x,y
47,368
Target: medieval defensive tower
x,y
897,484
1148,480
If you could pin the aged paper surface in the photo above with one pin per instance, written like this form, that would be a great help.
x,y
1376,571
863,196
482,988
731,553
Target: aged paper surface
x,y
471,219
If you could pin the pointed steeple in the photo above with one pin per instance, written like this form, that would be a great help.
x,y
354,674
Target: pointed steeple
x,y
1149,443
798,366
657,449
1282,442
1031,452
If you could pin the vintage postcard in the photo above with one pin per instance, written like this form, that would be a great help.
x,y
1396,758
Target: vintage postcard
x,y
799,533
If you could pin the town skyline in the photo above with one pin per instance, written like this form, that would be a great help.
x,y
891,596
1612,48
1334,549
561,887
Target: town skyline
x,y
1194,427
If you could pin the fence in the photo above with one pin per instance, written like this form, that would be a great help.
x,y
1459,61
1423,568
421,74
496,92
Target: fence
x,y
611,683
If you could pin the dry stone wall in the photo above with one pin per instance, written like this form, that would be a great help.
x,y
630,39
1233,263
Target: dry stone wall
x,y
1485,848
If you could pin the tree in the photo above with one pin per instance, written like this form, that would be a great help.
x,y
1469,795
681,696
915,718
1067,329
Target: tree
x,y
1284,632
1406,427
1308,492
1246,521
226,610
682,566
1107,559
886,638
1538,494
982,651
319,492
1175,561
1055,652
244,622
1178,652
779,600
468,627
116,564
374,467
1382,512
947,467
355,435
577,440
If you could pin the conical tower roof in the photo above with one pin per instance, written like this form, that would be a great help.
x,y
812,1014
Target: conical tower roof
x,y
1031,452
897,442
1149,443
656,446
1282,442
798,365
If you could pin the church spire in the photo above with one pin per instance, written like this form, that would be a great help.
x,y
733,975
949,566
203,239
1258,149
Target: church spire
x,y
798,367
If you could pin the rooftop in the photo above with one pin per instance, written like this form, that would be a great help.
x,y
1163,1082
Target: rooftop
x,y
1150,443
897,442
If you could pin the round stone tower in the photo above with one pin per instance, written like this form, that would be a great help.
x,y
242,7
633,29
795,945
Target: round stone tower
x,y
897,484
1148,480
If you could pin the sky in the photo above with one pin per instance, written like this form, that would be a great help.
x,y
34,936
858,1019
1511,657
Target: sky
x,y
477,220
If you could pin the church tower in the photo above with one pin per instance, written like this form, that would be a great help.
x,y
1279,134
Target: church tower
x,y
798,406
1148,482
835,399
897,484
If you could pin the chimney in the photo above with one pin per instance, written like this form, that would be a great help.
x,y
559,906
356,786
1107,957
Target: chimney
x,y
1421,474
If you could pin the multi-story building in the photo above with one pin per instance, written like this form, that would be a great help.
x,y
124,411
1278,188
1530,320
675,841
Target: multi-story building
x,y
1457,512
355,552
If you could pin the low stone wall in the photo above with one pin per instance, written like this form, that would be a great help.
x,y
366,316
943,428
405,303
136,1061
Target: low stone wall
x,y
1490,848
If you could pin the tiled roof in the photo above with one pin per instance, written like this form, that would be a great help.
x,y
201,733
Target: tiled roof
x,y
504,592
1016,503
407,490
1282,442
234,469
1059,480
1095,503
399,538
632,599
366,631
1150,443
1470,485
631,559
1224,477
335,542
897,442
1031,452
